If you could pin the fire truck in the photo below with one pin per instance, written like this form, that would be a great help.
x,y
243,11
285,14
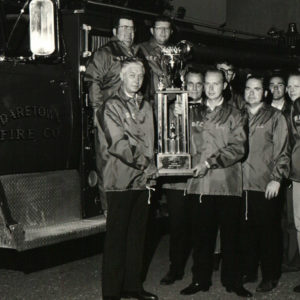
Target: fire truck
x,y
48,182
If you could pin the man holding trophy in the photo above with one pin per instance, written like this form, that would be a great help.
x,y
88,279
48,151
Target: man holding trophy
x,y
178,205
218,141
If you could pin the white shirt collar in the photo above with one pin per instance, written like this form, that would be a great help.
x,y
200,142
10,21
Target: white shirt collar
x,y
214,106
278,104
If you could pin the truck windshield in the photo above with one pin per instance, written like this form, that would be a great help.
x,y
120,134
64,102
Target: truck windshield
x,y
18,44
14,31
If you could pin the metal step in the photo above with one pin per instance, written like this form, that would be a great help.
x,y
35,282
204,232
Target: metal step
x,y
38,236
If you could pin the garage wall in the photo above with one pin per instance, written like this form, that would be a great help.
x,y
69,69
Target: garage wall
x,y
257,16
212,12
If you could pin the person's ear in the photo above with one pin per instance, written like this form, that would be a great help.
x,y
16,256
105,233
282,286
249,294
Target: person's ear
x,y
151,30
114,31
266,93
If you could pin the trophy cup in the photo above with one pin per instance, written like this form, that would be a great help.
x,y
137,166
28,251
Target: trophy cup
x,y
173,158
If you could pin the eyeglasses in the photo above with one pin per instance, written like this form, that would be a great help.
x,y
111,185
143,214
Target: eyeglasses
x,y
227,71
127,28
161,29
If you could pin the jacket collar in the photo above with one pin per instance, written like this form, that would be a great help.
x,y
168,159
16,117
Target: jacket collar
x,y
138,99
155,45
218,107
263,111
121,44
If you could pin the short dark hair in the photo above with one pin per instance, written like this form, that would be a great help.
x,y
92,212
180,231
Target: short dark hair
x,y
194,71
162,18
215,70
278,74
258,77
225,62
116,21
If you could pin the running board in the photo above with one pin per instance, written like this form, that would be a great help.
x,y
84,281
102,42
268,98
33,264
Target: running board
x,y
39,236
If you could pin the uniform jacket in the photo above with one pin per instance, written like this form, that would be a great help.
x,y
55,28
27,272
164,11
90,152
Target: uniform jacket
x,y
286,110
179,183
295,125
268,157
127,148
152,52
219,138
234,98
103,70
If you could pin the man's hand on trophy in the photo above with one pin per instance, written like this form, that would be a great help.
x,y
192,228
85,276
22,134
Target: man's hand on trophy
x,y
177,108
200,170
151,171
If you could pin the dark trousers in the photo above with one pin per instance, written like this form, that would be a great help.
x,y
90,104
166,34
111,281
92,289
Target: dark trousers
x,y
209,214
124,242
291,255
261,235
178,208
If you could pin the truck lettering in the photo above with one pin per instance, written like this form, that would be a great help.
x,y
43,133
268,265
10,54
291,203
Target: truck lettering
x,y
29,111
20,112
3,119
51,133
17,134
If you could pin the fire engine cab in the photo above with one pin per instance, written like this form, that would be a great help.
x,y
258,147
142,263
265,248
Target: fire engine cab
x,y
48,183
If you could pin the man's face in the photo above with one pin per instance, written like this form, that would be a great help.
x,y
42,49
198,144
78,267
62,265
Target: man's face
x,y
254,91
228,71
194,85
293,87
125,32
161,32
277,88
214,85
132,78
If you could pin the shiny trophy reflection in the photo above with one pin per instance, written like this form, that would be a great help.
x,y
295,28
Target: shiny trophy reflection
x,y
173,158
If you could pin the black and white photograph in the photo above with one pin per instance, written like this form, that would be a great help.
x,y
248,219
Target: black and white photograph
x,y
149,149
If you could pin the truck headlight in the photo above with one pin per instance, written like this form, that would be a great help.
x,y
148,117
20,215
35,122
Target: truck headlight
x,y
42,27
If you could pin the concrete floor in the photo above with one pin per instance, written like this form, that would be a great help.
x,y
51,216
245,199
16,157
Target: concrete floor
x,y
72,271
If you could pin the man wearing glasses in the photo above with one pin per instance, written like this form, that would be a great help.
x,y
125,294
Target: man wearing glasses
x,y
103,69
231,94
161,32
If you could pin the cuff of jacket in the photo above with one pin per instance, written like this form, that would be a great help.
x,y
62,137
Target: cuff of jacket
x,y
212,163
275,178
142,162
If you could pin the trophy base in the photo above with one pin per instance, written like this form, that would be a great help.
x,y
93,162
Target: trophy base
x,y
174,164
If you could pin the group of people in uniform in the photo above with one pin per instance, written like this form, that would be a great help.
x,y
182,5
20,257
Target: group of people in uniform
x,y
245,154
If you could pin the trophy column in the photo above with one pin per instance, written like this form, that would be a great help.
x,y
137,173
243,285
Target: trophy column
x,y
173,158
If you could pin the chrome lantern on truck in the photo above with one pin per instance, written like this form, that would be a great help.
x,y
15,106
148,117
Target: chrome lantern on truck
x,y
42,27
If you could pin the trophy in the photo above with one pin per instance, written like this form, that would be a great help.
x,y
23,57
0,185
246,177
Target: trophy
x,y
173,158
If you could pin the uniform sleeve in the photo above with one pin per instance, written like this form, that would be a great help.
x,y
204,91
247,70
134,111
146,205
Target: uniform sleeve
x,y
281,149
117,140
295,128
234,151
97,68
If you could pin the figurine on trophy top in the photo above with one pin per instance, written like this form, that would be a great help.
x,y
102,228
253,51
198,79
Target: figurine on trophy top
x,y
174,57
